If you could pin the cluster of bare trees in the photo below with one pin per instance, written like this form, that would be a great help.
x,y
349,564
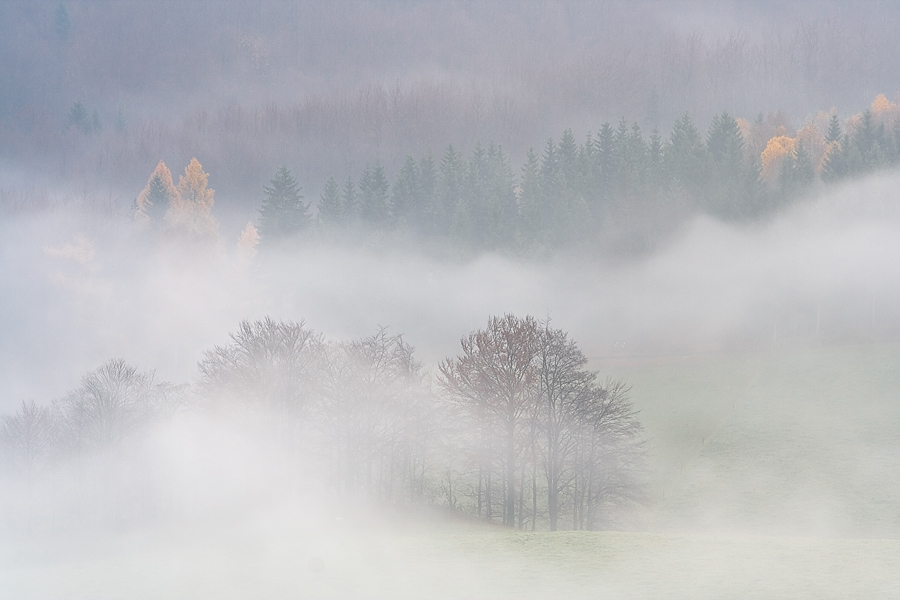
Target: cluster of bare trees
x,y
516,429
111,404
548,438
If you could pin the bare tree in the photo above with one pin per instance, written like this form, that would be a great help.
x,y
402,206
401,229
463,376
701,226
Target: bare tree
x,y
29,436
494,377
610,454
271,368
564,388
109,405
526,385
375,413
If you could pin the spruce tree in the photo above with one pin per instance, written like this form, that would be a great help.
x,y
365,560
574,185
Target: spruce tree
x,y
834,130
529,201
331,210
373,189
405,192
350,202
283,213
724,196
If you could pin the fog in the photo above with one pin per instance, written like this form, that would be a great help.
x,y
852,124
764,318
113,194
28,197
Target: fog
x,y
81,289
298,417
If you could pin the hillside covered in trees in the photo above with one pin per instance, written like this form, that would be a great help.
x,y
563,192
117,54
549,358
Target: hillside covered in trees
x,y
615,192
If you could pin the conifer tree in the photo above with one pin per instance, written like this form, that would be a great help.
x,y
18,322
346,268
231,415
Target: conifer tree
x,y
797,173
448,196
331,210
529,200
350,201
283,213
191,210
428,178
724,195
685,155
405,193
502,198
472,218
157,196
373,189
834,130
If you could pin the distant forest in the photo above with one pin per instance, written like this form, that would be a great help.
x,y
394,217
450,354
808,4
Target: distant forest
x,y
616,191
327,88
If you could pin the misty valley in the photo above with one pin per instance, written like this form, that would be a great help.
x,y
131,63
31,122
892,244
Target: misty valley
x,y
449,300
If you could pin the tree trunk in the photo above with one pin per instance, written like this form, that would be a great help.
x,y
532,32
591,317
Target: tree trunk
x,y
509,518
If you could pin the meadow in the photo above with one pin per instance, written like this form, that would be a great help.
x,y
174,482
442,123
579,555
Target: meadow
x,y
772,475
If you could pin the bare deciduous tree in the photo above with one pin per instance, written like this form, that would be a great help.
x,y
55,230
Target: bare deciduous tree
x,y
268,365
495,378
108,406
29,435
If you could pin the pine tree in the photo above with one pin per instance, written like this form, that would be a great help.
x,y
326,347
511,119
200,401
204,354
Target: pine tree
x,y
405,193
331,209
604,173
283,213
834,130
724,195
373,188
157,197
502,198
350,201
685,155
472,218
529,200
424,202
62,23
448,195
796,172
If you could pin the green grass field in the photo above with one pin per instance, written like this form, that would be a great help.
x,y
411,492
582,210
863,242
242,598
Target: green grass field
x,y
774,475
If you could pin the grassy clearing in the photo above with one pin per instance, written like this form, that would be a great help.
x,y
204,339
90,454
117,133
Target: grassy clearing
x,y
452,561
803,442
774,476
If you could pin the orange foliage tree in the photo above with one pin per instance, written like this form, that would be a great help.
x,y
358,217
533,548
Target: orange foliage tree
x,y
191,213
777,150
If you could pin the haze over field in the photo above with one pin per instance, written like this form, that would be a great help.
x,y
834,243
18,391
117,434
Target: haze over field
x,y
248,379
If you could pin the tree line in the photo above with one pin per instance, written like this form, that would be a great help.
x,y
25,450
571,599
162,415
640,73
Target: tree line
x,y
614,191
514,429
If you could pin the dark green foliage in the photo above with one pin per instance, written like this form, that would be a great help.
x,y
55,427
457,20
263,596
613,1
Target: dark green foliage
x,y
373,194
529,200
158,199
61,22
447,205
283,213
835,165
834,130
350,204
616,192
331,209
78,116
686,156
726,195
797,172
406,193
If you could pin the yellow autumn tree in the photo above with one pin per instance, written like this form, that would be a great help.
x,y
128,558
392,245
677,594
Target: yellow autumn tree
x,y
885,112
777,149
157,196
247,243
191,213
880,104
